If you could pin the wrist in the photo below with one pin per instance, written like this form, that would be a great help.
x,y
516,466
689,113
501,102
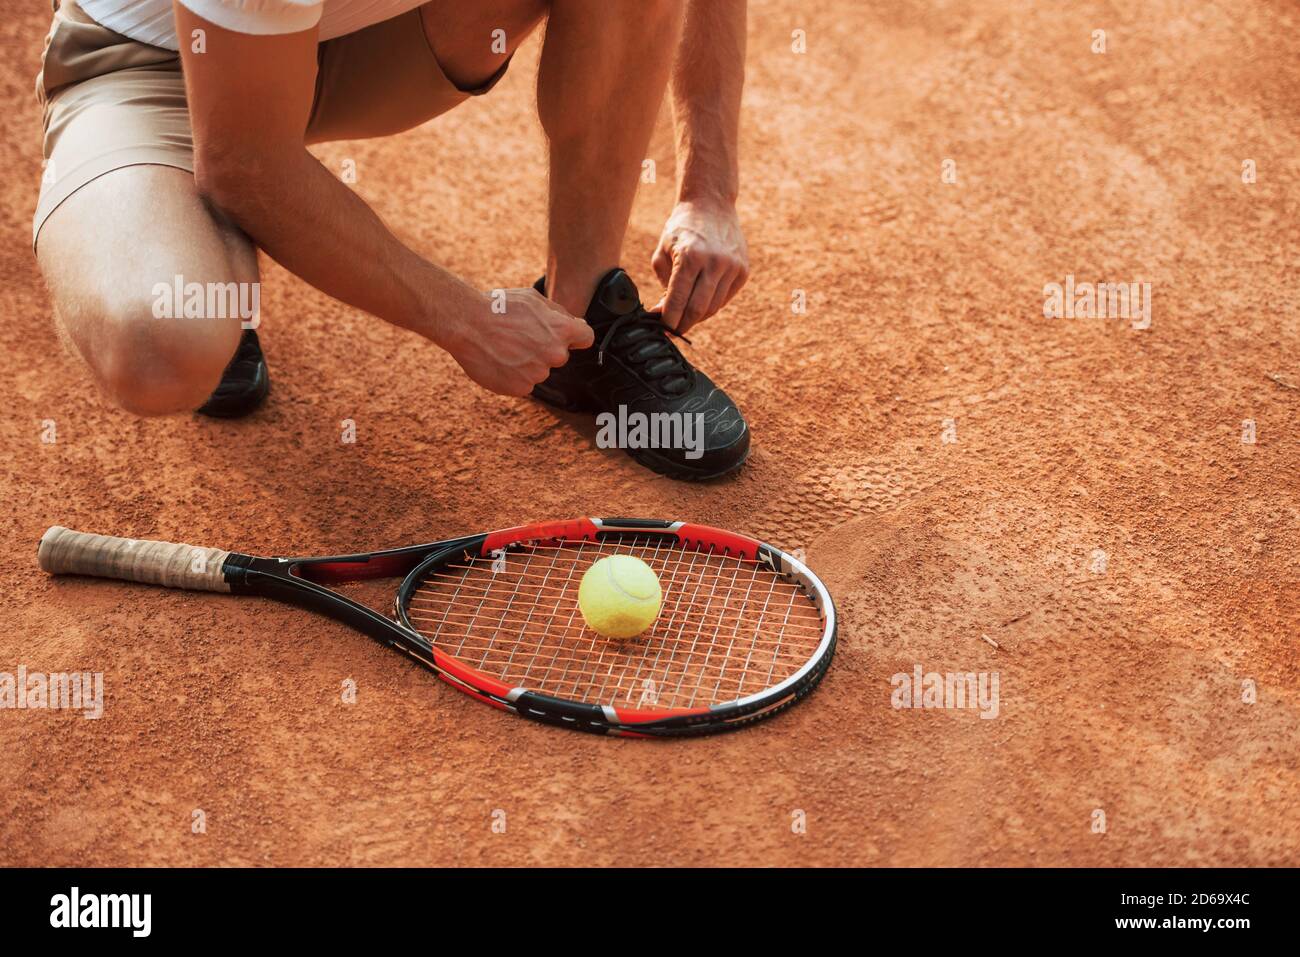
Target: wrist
x,y
707,180
706,198
449,310
456,319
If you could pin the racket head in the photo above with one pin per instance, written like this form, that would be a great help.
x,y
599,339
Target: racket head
x,y
744,631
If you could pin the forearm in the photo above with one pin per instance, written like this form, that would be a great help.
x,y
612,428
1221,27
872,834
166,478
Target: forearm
x,y
320,230
708,76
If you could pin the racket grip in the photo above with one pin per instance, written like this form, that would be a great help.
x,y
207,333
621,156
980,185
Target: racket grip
x,y
65,552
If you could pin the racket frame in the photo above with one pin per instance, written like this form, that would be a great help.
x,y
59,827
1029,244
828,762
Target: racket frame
x,y
303,582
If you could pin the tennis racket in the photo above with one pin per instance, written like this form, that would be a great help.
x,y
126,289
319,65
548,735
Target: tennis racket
x,y
745,629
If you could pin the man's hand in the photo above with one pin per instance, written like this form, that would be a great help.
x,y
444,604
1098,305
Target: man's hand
x,y
702,260
511,352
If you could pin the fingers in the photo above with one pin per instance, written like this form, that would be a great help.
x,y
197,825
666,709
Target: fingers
x,y
533,373
580,335
710,290
572,331
663,262
517,382
730,284
702,297
681,283
737,284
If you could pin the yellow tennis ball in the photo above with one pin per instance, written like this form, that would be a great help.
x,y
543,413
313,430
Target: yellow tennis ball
x,y
619,596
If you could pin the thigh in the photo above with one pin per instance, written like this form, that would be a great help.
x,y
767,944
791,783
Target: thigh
x,y
473,42
390,77
109,102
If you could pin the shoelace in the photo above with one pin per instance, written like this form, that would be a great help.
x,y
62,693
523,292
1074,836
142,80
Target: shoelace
x,y
658,359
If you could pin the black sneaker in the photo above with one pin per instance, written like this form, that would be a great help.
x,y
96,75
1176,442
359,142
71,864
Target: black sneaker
x,y
635,365
245,383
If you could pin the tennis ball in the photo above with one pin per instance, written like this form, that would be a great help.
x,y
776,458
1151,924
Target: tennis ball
x,y
619,596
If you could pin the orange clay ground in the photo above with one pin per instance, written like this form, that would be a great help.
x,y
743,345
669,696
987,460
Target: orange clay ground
x,y
1098,515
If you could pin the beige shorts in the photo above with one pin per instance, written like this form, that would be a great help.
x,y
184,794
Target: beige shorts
x,y
112,102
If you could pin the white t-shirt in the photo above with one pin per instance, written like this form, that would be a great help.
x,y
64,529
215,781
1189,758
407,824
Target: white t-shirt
x,y
151,21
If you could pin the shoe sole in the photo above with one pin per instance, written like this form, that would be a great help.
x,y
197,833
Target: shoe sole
x,y
671,470
643,457
559,401
237,408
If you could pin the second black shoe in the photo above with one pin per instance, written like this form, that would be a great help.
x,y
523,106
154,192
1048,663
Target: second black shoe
x,y
635,373
245,383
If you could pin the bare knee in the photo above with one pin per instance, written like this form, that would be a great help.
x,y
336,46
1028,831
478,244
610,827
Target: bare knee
x,y
157,366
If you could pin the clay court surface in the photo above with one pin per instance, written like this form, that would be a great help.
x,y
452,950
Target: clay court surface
x,y
1098,534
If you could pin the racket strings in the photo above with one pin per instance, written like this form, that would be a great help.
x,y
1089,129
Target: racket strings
x,y
728,627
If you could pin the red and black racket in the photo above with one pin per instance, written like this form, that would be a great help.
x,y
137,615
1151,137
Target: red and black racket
x,y
744,631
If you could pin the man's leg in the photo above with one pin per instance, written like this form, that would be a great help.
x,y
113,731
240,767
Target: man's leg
x,y
102,252
603,74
